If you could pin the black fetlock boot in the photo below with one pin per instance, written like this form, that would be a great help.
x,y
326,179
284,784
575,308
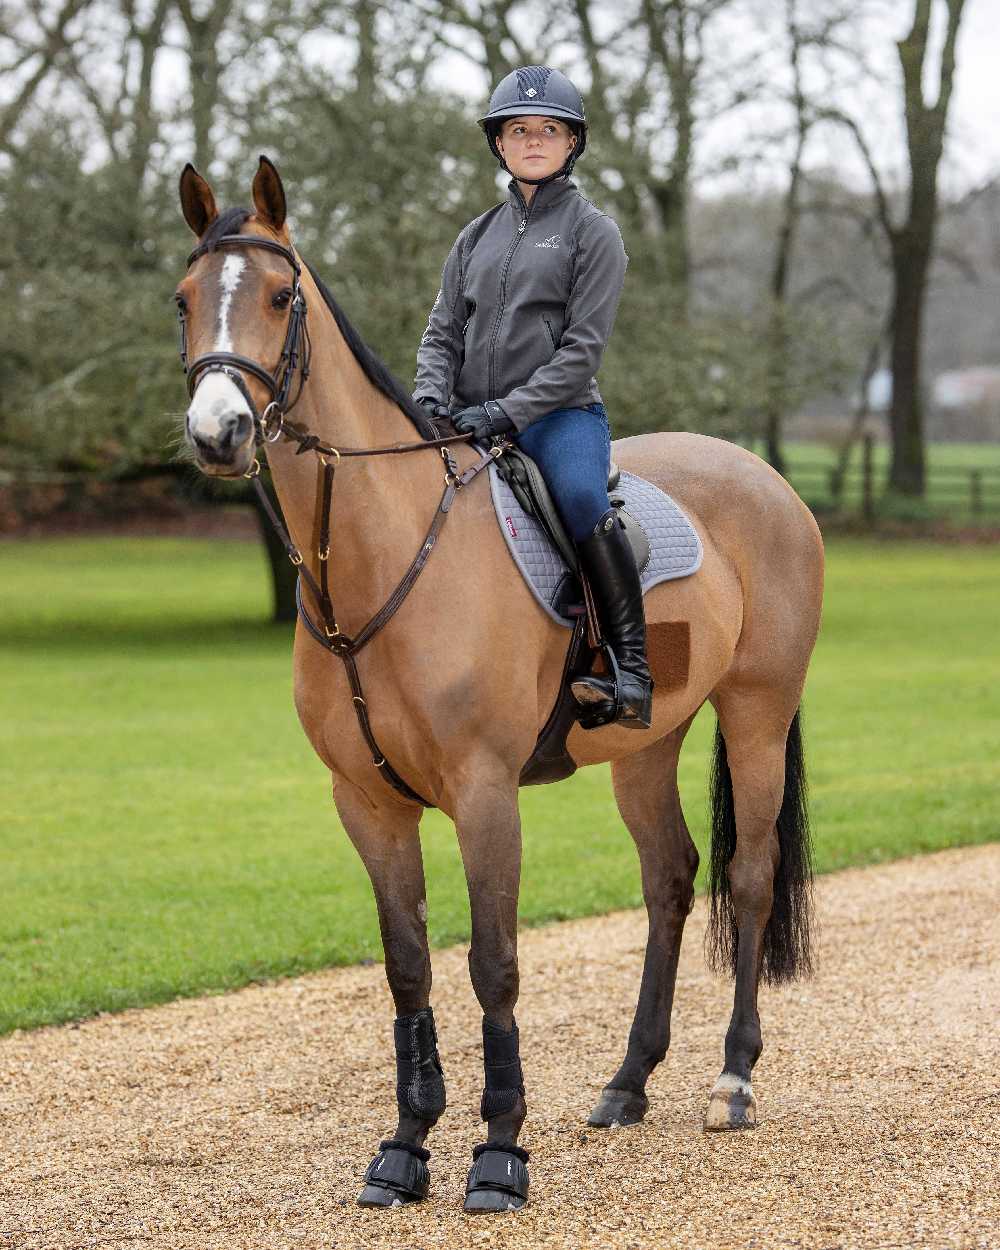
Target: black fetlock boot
x,y
609,566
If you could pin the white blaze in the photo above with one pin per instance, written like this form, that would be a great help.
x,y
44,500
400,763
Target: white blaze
x,y
229,280
217,396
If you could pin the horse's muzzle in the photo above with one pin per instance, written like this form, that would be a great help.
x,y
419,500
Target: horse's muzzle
x,y
227,449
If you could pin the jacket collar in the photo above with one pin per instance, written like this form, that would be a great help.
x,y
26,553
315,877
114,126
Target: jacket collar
x,y
545,196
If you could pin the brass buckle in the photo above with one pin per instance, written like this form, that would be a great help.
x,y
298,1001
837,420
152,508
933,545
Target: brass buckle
x,y
325,459
254,470
450,476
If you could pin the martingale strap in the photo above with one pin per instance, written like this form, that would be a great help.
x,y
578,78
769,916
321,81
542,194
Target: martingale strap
x,y
330,635
271,425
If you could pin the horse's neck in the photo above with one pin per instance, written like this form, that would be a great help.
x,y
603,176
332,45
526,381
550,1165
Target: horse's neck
x,y
382,505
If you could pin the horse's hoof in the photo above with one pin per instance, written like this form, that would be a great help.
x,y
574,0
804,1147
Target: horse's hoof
x,y
618,1107
498,1179
731,1105
378,1196
492,1200
397,1176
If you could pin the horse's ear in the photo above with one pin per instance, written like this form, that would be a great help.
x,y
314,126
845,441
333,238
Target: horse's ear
x,y
269,195
197,200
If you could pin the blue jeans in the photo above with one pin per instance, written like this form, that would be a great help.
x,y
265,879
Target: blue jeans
x,y
572,448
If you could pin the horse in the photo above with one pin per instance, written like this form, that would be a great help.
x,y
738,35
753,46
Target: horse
x,y
445,705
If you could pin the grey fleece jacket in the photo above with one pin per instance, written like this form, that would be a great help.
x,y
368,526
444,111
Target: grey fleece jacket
x,y
527,302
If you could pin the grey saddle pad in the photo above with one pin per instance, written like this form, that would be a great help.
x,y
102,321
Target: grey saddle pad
x,y
674,546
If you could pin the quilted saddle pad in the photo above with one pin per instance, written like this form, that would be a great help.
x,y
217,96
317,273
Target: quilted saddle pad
x,y
674,546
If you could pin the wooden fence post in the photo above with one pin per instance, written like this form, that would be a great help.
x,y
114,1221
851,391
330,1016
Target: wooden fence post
x,y
867,483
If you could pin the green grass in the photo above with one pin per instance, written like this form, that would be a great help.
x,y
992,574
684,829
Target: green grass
x,y
948,491
166,830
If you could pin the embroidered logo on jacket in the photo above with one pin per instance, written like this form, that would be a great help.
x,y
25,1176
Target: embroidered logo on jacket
x,y
551,241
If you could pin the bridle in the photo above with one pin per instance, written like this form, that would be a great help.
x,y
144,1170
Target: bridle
x,y
269,426
296,351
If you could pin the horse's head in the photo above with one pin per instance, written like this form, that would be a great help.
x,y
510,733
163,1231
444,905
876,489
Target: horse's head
x,y
241,313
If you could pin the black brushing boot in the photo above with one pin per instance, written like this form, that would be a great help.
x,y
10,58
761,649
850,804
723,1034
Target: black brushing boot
x,y
398,1174
609,566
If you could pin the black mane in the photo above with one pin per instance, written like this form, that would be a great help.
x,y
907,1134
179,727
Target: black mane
x,y
230,221
376,370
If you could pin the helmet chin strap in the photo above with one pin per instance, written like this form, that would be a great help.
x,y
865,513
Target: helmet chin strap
x,y
565,172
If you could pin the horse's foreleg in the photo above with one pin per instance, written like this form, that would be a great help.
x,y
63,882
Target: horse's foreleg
x,y
386,836
489,834
755,749
647,796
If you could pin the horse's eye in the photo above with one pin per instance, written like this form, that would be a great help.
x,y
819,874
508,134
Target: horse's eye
x,y
281,300
181,303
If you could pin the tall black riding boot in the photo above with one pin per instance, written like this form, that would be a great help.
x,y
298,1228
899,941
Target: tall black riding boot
x,y
609,566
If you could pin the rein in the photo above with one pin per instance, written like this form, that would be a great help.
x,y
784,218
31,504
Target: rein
x,y
269,426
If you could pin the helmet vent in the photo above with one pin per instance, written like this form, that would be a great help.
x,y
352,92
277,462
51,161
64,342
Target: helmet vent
x,y
531,82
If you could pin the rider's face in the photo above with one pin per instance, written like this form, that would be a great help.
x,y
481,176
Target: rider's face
x,y
535,147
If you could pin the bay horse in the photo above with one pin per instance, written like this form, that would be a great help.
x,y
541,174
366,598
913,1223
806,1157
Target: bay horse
x,y
451,696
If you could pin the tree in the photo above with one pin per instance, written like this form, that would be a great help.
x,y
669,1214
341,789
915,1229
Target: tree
x,y
911,239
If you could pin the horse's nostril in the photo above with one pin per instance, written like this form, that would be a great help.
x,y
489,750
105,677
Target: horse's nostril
x,y
227,428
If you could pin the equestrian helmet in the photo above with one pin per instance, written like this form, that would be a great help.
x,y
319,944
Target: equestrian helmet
x,y
536,90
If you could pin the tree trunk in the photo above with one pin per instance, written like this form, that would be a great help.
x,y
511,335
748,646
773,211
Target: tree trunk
x,y
906,416
283,573
913,243
776,394
205,71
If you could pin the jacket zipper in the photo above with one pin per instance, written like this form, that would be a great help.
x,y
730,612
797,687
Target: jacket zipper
x,y
503,294
552,336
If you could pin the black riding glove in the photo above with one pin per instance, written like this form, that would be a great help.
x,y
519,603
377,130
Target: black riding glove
x,y
483,421
434,408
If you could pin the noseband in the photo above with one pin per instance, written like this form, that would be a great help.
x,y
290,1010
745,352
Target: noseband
x,y
295,349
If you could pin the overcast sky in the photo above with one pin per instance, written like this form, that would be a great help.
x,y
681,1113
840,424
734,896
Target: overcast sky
x,y
976,132
972,154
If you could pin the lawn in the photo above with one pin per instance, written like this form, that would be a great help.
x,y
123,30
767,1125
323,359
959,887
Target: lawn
x,y
166,829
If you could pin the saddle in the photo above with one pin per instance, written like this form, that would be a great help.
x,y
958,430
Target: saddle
x,y
665,543
525,480
550,760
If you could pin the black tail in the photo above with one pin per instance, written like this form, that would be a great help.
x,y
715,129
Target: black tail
x,y
787,953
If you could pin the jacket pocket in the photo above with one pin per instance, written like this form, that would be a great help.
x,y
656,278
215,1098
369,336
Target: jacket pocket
x,y
552,334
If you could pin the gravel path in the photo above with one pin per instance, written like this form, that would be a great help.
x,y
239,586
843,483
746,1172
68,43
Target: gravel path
x,y
246,1120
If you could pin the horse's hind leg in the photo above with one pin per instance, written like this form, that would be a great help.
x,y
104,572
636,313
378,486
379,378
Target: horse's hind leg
x,y
647,796
760,876
386,836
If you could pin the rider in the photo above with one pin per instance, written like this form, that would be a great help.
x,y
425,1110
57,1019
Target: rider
x,y
527,302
